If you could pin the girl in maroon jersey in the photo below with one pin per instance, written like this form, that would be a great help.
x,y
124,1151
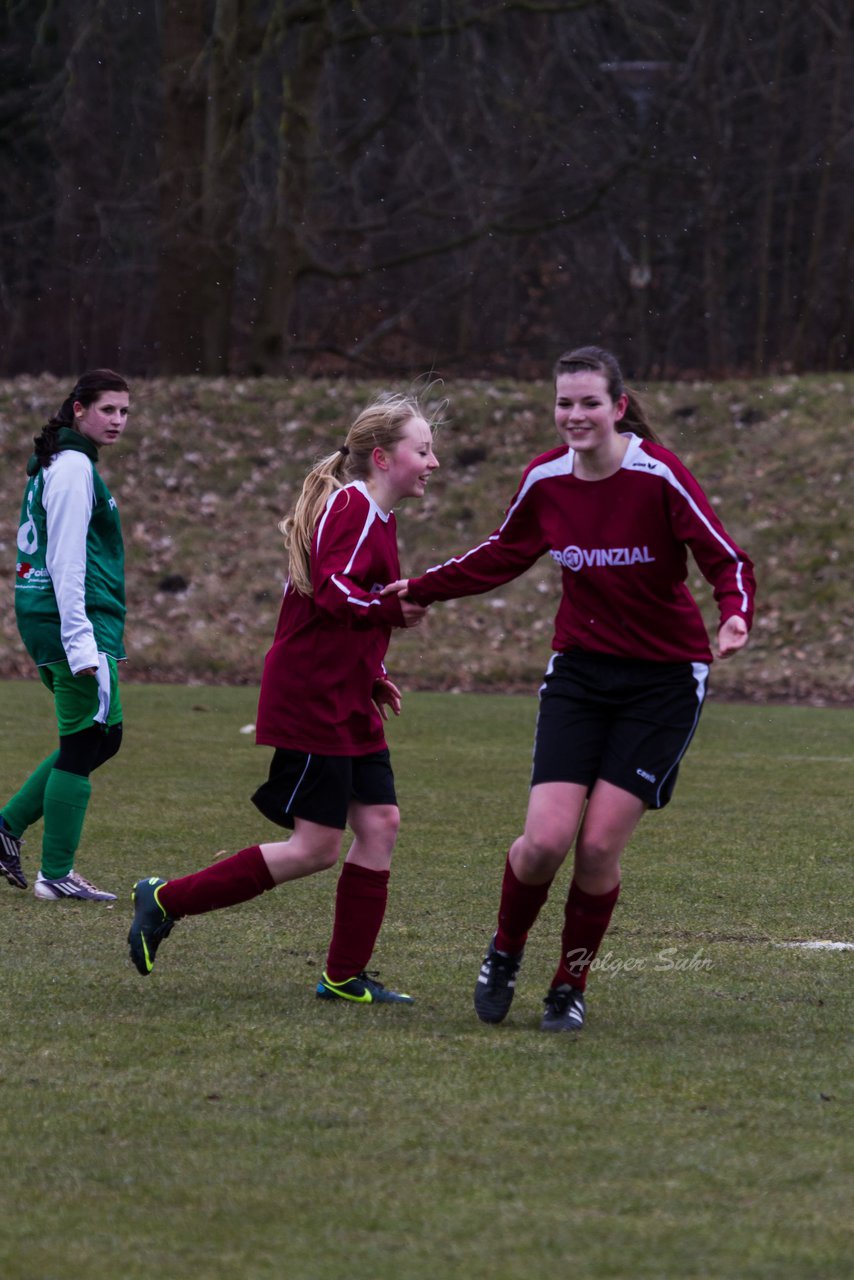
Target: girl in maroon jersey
x,y
625,686
324,696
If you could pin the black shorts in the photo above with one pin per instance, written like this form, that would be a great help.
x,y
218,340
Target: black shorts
x,y
320,788
626,721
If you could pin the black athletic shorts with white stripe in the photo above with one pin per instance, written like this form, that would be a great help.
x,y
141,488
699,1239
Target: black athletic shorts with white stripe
x,y
624,720
320,788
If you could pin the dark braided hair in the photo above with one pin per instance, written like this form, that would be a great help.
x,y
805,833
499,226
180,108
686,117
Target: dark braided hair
x,y
598,360
87,388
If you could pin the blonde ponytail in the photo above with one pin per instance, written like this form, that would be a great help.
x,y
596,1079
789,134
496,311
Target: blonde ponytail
x,y
298,528
379,425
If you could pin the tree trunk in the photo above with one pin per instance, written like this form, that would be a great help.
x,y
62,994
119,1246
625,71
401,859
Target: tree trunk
x,y
766,220
221,187
813,297
300,49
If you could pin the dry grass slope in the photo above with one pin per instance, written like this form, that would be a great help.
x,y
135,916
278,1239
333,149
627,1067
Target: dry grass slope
x,y
209,466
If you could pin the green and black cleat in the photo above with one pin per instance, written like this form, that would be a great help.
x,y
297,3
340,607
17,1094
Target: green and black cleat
x,y
150,924
362,989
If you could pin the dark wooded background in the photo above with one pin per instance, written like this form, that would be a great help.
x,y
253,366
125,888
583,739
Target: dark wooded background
x,y
291,186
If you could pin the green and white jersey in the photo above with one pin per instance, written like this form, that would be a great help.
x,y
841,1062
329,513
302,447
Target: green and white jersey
x,y
69,583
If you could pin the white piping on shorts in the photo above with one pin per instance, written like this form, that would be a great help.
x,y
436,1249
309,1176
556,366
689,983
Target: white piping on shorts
x,y
701,678
293,794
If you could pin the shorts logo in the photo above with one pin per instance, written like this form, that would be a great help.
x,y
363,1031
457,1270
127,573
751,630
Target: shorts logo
x,y
642,773
574,558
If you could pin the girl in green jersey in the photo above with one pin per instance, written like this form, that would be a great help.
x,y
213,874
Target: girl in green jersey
x,y
70,609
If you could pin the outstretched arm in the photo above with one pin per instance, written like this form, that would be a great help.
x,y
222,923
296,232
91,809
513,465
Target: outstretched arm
x,y
505,554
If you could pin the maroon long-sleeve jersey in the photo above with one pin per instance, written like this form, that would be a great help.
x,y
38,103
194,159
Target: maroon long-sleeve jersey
x,y
621,544
328,650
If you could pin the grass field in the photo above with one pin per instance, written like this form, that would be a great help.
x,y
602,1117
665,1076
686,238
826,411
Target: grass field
x,y
215,1121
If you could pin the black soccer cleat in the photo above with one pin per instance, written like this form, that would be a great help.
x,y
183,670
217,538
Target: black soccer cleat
x,y
150,924
496,984
564,1009
10,857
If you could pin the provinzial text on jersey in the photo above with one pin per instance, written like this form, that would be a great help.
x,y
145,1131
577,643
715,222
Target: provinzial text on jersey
x,y
575,558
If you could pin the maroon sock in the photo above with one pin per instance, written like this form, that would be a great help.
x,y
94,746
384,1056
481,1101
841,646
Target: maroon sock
x,y
223,884
520,906
586,918
360,902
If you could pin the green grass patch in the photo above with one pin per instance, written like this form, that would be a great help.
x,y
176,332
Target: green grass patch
x,y
216,1121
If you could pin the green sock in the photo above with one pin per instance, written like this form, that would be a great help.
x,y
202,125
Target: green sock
x,y
65,799
27,805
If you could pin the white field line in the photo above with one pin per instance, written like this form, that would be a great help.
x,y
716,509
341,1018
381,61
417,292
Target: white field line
x,y
769,755
818,945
